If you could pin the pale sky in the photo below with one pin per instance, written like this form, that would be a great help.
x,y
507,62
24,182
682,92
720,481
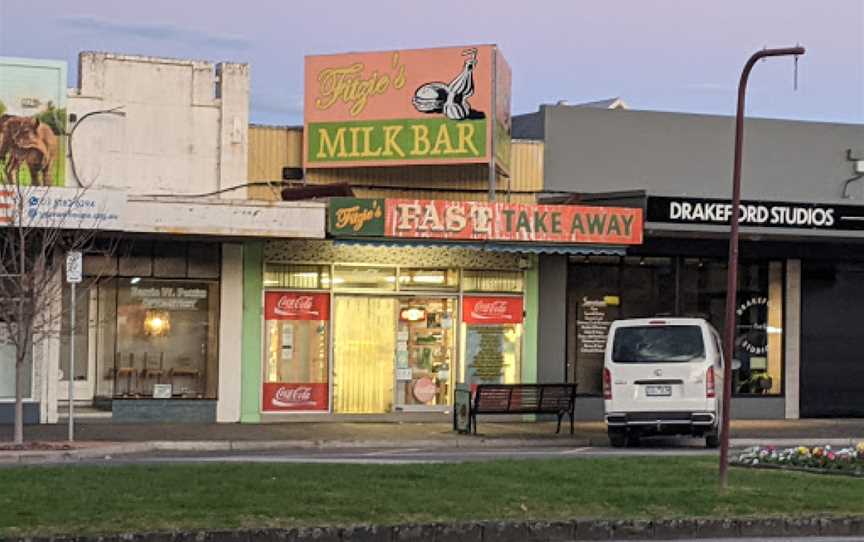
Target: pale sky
x,y
676,55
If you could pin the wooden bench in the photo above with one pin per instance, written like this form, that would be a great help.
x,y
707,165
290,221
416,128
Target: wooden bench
x,y
557,399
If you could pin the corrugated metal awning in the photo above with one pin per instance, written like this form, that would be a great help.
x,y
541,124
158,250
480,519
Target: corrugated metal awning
x,y
520,248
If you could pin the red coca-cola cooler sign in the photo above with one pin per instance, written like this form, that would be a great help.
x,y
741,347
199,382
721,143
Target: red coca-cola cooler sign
x,y
296,306
285,397
492,310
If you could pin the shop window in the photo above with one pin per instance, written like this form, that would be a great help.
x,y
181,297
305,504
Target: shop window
x,y
8,349
645,287
169,260
757,358
136,259
100,265
307,277
155,259
8,353
347,277
82,335
424,352
492,281
205,260
106,337
165,333
492,340
296,351
364,344
428,279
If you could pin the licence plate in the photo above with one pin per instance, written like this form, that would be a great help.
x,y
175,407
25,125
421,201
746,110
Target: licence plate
x,y
658,391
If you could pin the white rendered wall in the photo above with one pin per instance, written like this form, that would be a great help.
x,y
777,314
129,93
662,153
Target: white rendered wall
x,y
792,334
176,136
230,334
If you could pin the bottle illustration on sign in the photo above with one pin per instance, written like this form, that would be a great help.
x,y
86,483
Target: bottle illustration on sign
x,y
450,99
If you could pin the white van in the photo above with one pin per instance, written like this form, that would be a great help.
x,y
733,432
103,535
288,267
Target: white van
x,y
663,376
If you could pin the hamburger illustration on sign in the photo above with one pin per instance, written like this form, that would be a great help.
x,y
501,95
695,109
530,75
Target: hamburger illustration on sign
x,y
418,106
452,99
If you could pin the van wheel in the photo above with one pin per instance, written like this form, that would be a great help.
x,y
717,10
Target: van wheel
x,y
712,440
618,439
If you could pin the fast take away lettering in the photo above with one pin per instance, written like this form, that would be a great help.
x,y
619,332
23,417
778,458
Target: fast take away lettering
x,y
512,222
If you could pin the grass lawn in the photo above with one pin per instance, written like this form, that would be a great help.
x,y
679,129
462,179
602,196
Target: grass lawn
x,y
89,499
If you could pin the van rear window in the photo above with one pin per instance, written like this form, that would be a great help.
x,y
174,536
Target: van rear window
x,y
657,344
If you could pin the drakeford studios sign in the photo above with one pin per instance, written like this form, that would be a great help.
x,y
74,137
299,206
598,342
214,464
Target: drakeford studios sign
x,y
470,220
414,106
770,214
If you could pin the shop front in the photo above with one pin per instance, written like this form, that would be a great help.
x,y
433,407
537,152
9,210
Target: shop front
x,y
797,346
151,314
409,299
656,280
377,338
799,282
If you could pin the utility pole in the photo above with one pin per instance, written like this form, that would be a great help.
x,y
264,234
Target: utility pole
x,y
732,269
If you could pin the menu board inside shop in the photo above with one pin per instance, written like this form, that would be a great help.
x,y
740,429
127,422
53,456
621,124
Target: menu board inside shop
x,y
594,316
593,326
488,358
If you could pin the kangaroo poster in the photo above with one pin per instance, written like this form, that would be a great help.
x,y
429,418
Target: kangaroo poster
x,y
418,106
32,122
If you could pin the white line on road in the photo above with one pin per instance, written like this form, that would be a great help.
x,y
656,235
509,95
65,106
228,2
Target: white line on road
x,y
574,450
399,451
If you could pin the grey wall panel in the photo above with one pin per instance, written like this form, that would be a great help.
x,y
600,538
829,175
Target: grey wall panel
x,y
758,408
552,320
163,411
596,150
31,413
589,409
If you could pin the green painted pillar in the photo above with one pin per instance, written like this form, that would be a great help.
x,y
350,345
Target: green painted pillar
x,y
532,307
253,315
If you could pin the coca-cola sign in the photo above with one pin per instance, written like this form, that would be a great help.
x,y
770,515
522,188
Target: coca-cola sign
x,y
492,310
296,306
283,396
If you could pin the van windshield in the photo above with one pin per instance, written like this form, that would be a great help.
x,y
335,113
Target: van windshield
x,y
657,344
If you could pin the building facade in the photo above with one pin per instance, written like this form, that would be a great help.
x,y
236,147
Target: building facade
x,y
797,350
164,142
380,320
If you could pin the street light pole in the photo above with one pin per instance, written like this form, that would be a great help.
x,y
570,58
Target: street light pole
x,y
732,269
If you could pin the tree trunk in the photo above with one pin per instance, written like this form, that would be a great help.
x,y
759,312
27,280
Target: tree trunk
x,y
21,346
19,402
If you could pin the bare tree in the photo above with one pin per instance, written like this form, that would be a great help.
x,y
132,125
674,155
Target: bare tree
x,y
38,224
38,227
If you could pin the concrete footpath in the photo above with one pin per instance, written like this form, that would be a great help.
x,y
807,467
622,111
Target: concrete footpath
x,y
101,439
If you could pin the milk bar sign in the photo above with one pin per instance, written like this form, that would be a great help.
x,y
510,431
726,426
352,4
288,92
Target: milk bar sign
x,y
766,214
472,220
410,106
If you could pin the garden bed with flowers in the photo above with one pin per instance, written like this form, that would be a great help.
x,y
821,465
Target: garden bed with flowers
x,y
847,461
